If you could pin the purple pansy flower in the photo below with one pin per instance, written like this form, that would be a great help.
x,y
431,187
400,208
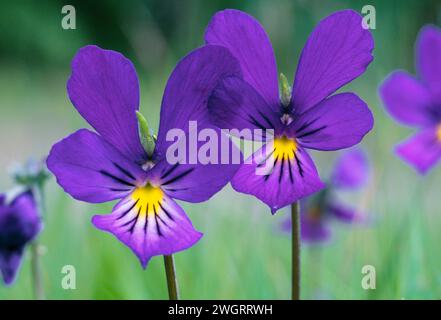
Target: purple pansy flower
x,y
350,173
338,51
417,102
19,225
112,163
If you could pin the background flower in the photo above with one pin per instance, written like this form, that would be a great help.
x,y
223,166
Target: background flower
x,y
416,102
20,223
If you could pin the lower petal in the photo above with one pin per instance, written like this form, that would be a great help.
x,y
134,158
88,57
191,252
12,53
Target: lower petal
x,y
421,151
276,177
313,230
150,224
10,261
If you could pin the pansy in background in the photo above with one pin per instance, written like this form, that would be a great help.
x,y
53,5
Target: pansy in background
x,y
416,102
308,116
350,174
20,223
113,163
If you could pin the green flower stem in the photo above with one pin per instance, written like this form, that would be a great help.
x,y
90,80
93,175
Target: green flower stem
x,y
295,218
172,282
37,280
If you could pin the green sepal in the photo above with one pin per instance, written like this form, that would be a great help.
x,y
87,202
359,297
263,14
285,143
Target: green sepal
x,y
285,91
148,139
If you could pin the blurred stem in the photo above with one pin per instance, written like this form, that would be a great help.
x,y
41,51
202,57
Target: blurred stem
x,y
295,247
37,279
172,282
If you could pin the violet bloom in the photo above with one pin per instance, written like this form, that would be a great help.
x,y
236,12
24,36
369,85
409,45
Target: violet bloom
x,y
338,51
112,163
350,173
19,225
416,102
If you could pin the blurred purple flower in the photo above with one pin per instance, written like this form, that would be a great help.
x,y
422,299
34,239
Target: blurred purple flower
x,y
350,173
338,51
417,102
19,225
112,163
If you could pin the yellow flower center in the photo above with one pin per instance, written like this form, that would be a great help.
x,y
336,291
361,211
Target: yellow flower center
x,y
284,148
148,198
438,133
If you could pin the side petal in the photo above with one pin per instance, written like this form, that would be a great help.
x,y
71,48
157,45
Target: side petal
x,y
188,89
277,180
429,58
421,151
90,169
351,170
10,261
149,228
338,51
104,89
235,104
345,214
338,122
248,42
406,99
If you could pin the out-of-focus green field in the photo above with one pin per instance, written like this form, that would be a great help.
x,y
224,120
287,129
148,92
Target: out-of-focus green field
x,y
243,255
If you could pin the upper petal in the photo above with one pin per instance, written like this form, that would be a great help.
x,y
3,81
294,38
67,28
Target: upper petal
x,y
151,226
422,151
235,104
248,42
92,170
351,170
188,89
338,51
104,89
278,178
429,58
338,122
407,100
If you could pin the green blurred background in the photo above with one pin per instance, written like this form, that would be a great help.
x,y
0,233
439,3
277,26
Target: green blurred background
x,y
242,255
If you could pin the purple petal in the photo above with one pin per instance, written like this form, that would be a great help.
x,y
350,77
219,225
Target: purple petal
x,y
314,230
20,223
422,151
406,99
92,170
248,42
104,89
338,122
235,104
277,180
10,261
429,58
338,51
351,170
204,169
150,226
346,214
189,87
